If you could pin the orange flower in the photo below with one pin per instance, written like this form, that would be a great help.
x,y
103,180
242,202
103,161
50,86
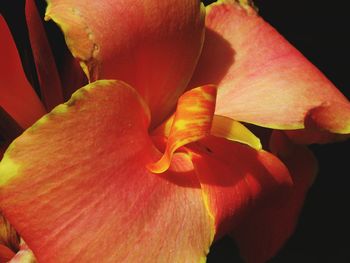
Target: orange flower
x,y
150,161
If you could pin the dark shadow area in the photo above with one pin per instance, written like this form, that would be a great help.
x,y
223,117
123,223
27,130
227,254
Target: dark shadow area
x,y
216,58
224,251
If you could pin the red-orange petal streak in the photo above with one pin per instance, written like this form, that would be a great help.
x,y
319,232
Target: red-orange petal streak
x,y
50,83
192,122
17,97
76,187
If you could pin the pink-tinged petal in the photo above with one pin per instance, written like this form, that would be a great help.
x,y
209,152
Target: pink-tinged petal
x,y
50,84
192,121
319,131
152,45
76,187
234,178
262,79
269,225
17,97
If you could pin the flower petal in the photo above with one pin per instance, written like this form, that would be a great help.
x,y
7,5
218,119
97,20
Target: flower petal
x,y
24,255
234,177
50,84
192,121
17,97
235,131
262,79
152,45
264,231
76,187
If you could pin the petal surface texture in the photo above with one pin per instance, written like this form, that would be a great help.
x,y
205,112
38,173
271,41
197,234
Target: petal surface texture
x,y
234,177
17,97
263,232
262,78
152,45
76,187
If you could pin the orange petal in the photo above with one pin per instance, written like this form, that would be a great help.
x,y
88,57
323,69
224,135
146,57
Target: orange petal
x,y
76,187
192,121
152,45
50,84
262,79
264,231
234,177
17,97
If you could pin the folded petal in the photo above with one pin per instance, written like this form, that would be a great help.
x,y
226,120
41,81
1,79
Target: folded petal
x,y
234,177
49,80
220,127
192,121
76,187
262,79
17,97
152,45
261,234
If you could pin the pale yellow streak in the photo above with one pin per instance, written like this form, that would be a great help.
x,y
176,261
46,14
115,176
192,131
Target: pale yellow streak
x,y
8,169
234,131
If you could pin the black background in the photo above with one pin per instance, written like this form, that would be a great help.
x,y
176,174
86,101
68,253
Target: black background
x,y
320,30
